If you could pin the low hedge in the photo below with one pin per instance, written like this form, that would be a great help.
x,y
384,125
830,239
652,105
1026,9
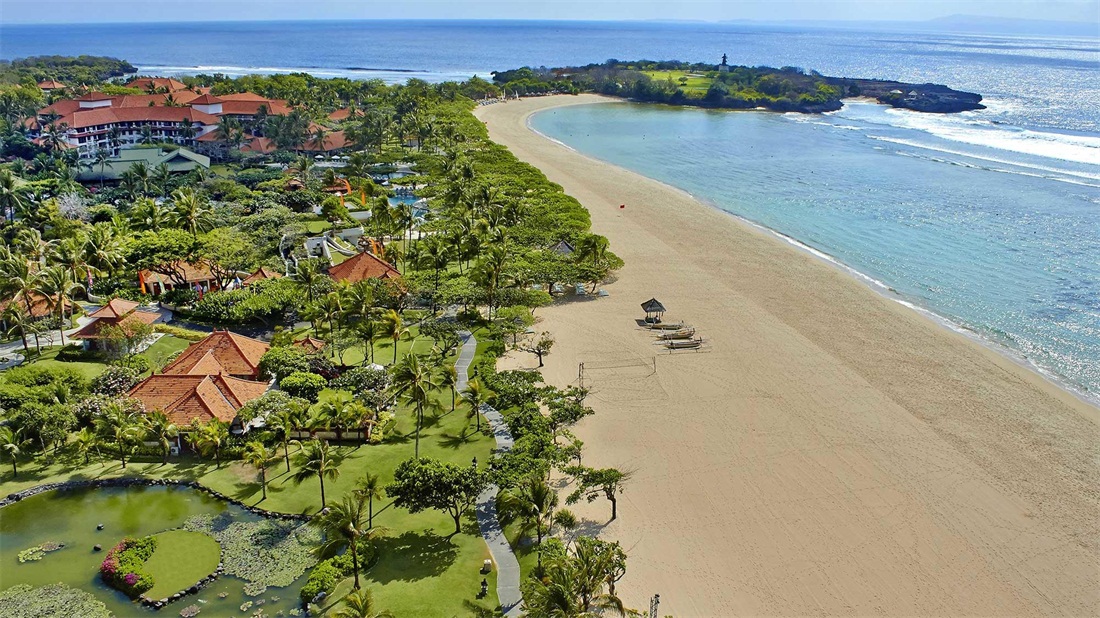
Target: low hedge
x,y
124,567
182,333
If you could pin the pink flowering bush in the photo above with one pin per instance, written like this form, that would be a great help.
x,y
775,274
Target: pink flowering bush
x,y
124,566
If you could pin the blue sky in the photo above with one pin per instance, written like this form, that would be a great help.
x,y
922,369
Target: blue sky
x,y
74,11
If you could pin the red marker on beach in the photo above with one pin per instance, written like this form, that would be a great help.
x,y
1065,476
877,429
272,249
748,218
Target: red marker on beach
x,y
622,206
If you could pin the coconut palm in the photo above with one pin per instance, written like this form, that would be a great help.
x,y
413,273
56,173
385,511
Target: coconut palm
x,y
146,214
160,429
370,486
190,213
413,382
209,438
532,503
343,524
360,604
12,446
477,394
393,327
102,158
331,412
302,168
17,321
58,287
257,456
283,422
448,378
11,198
162,177
315,460
309,274
122,426
85,441
368,332
572,587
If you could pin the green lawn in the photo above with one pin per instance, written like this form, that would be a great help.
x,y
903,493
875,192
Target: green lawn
x,y
181,559
90,369
91,366
423,569
163,349
696,84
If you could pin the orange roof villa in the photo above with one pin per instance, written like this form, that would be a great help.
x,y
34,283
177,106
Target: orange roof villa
x,y
361,267
221,353
115,312
187,398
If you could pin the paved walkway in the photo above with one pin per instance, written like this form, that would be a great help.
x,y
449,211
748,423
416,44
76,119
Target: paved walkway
x,y
506,564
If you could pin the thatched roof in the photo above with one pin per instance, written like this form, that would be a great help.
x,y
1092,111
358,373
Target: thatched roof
x,y
653,306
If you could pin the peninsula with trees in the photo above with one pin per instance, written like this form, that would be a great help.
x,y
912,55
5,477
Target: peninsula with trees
x,y
725,86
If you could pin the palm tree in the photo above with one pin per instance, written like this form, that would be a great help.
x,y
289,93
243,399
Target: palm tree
x,y
370,486
12,447
302,169
314,460
572,587
147,136
342,525
58,286
331,308
282,423
413,382
186,131
160,429
393,327
146,214
532,502
85,442
257,456
309,274
162,177
448,378
477,394
11,199
190,213
332,412
122,426
17,320
210,437
102,158
437,255
368,332
360,604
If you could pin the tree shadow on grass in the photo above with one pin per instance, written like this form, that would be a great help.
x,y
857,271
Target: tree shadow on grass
x,y
453,442
412,556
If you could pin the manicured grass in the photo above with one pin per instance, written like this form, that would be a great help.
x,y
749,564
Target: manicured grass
x,y
694,83
163,349
90,369
423,569
181,559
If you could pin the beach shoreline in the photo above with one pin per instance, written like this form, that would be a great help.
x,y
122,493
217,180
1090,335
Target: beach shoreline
x,y
1092,400
846,372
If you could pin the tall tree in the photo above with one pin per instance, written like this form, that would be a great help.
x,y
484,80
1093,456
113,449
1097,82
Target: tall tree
x,y
414,383
532,502
477,394
12,446
370,487
160,429
210,438
315,460
424,483
360,604
257,456
190,213
343,524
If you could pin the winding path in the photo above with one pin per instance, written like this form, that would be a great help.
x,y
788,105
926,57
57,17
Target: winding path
x,y
506,564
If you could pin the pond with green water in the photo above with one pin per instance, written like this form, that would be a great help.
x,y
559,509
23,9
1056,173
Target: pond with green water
x,y
71,517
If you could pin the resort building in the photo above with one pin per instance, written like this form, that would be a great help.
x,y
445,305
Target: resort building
x,y
311,345
261,274
195,276
188,398
221,353
178,161
169,113
50,85
115,313
361,267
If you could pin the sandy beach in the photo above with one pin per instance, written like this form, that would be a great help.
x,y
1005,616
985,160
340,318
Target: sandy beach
x,y
832,452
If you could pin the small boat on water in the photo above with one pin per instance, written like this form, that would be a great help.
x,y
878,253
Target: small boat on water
x,y
683,333
684,344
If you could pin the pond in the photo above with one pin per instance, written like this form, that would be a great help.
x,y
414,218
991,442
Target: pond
x,y
71,517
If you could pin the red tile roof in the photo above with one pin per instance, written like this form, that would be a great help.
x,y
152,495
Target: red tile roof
x,y
222,352
261,274
50,84
187,398
112,115
262,145
93,328
184,97
246,96
251,108
206,99
41,306
94,96
115,308
362,267
145,83
311,344
343,114
333,141
63,107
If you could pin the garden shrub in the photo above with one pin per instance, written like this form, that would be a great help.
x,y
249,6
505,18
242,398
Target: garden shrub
x,y
180,297
124,567
179,332
136,362
302,384
328,573
368,385
115,381
279,363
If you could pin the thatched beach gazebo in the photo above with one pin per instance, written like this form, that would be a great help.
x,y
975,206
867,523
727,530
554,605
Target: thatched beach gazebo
x,y
653,311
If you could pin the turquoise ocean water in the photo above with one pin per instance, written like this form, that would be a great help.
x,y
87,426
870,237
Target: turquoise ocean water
x,y
1001,242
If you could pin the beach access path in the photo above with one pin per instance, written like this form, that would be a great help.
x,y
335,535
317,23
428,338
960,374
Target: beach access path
x,y
504,559
833,453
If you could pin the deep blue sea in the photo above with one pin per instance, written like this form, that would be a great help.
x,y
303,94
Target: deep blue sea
x,y
989,219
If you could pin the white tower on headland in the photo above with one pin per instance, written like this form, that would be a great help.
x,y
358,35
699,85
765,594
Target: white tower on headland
x,y
724,67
